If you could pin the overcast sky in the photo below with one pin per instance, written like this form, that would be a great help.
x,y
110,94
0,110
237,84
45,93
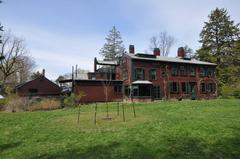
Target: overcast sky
x,y
62,33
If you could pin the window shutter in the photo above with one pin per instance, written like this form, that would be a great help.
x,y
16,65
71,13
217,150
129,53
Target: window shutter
x,y
134,74
150,74
143,74
187,87
177,85
171,86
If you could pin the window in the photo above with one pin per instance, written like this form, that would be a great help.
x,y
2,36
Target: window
x,y
32,90
185,87
210,72
142,91
203,71
203,87
156,92
192,71
118,89
211,87
127,91
182,70
135,91
174,71
139,74
152,74
174,87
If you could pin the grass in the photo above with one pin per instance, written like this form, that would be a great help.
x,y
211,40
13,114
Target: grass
x,y
164,129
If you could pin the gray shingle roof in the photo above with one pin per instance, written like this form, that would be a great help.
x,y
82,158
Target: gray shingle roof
x,y
171,59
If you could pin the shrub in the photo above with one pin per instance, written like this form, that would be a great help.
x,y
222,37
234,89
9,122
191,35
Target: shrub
x,y
73,99
45,104
2,104
69,101
230,91
16,104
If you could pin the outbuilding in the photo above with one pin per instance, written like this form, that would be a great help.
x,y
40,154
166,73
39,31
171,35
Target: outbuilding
x,y
40,86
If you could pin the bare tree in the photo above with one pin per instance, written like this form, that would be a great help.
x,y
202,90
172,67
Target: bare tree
x,y
162,41
17,64
106,86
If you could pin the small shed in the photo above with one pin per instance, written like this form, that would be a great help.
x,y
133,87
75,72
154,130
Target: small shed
x,y
40,86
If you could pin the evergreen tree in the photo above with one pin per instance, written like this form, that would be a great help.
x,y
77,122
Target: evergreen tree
x,y
113,48
188,51
219,39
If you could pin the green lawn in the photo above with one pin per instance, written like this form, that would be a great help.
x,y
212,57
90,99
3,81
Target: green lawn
x,y
186,129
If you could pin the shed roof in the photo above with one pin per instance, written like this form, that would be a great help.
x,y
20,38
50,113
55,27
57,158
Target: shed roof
x,y
170,59
102,62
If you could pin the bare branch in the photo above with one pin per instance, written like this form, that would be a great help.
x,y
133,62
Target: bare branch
x,y
162,41
16,59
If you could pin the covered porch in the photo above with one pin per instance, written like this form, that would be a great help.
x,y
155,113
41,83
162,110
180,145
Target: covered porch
x,y
141,91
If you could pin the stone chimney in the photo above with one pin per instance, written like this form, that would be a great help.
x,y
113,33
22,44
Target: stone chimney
x,y
156,52
43,72
181,52
131,49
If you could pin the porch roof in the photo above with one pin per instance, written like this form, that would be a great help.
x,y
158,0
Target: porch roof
x,y
141,82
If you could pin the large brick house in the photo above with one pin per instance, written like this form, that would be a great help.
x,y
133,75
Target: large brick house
x,y
147,77
152,76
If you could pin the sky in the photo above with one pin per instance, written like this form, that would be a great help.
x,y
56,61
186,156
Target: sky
x,y
60,33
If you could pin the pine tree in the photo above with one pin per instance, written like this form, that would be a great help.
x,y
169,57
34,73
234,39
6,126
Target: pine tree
x,y
219,34
218,39
113,48
188,51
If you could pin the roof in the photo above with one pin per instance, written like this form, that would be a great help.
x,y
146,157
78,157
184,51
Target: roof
x,y
89,80
41,76
98,80
142,82
102,62
171,59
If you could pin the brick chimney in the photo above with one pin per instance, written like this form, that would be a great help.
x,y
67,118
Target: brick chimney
x,y
181,52
156,51
43,72
131,49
